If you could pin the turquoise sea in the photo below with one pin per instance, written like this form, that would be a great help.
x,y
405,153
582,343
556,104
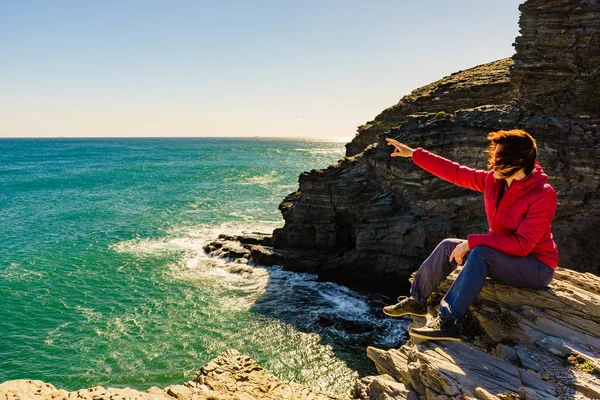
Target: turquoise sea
x,y
103,280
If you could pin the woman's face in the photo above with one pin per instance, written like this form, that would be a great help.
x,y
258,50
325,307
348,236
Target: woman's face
x,y
499,170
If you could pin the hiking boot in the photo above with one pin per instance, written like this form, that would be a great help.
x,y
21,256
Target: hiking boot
x,y
438,329
405,306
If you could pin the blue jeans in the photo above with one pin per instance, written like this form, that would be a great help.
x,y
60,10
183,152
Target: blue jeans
x,y
482,261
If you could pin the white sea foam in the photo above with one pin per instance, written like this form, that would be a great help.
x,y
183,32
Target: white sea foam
x,y
52,335
264,179
346,303
236,290
299,292
18,273
89,313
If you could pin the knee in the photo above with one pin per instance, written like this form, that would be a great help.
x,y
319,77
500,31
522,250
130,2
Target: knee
x,y
481,253
448,245
478,261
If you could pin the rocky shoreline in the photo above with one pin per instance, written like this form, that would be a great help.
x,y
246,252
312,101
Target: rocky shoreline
x,y
228,377
517,344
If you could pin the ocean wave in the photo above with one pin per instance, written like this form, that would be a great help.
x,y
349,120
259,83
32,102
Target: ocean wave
x,y
263,179
55,333
332,308
291,303
237,289
241,287
17,273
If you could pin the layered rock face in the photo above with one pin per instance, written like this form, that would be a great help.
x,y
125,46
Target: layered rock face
x,y
379,218
557,65
484,84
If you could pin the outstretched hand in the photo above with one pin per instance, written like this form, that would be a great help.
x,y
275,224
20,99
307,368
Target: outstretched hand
x,y
401,150
459,252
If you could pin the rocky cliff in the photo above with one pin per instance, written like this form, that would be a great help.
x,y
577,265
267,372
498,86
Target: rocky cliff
x,y
376,218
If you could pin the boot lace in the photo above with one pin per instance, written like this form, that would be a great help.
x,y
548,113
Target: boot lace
x,y
436,323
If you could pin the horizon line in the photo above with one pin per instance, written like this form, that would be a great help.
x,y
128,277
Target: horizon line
x,y
170,137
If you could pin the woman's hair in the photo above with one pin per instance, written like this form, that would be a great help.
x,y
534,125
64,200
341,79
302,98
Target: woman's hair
x,y
517,150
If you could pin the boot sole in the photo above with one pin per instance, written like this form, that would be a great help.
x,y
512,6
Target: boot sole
x,y
403,314
449,338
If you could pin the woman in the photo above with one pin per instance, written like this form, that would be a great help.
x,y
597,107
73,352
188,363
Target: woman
x,y
518,250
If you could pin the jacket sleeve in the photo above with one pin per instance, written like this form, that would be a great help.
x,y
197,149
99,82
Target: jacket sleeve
x,y
450,171
536,223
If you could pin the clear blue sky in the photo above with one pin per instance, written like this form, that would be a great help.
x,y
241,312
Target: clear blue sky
x,y
231,68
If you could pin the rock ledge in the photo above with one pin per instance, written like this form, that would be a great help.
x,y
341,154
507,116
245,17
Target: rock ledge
x,y
518,344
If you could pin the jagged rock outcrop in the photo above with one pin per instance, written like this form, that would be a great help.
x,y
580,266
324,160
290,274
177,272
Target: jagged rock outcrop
x,y
481,85
379,217
520,344
557,64
231,376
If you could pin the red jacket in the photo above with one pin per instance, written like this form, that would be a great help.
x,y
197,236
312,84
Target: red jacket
x,y
520,221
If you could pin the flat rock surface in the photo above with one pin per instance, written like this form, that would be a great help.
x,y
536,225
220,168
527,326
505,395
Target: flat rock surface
x,y
518,343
